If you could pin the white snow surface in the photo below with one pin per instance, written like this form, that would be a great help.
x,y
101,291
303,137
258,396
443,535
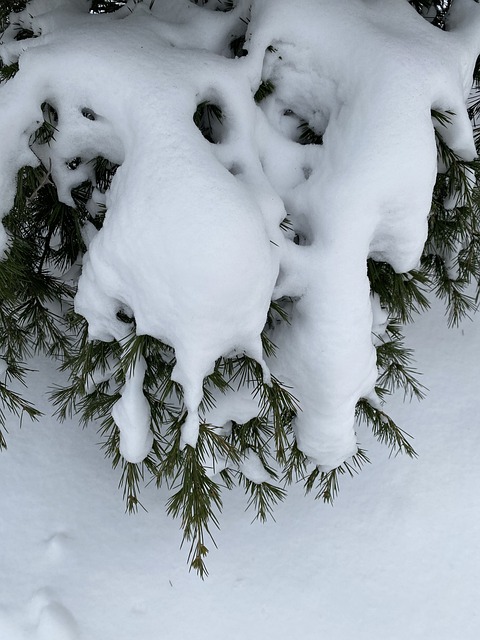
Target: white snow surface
x,y
196,252
396,557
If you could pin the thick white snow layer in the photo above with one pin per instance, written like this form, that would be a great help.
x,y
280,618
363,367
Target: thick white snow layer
x,y
191,240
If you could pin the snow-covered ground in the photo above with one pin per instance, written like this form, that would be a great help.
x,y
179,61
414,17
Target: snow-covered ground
x,y
396,558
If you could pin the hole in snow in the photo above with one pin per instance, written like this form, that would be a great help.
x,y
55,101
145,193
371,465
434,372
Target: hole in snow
x,y
303,131
237,43
74,163
106,6
208,118
307,172
125,315
302,231
216,5
301,240
46,131
104,171
88,114
296,228
24,34
235,169
224,5
237,46
86,194
308,135
50,114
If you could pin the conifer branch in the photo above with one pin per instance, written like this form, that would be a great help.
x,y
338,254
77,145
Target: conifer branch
x,y
263,498
196,500
265,89
328,482
401,294
384,428
393,362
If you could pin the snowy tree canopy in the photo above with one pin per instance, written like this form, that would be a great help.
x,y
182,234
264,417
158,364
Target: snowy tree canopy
x,y
237,197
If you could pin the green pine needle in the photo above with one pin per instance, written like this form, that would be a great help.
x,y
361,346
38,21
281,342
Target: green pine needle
x,y
265,89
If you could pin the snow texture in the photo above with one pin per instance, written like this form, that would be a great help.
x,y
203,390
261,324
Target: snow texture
x,y
191,241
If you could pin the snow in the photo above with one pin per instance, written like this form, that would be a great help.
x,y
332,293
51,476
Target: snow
x,y
396,557
365,195
191,241
252,468
132,416
192,246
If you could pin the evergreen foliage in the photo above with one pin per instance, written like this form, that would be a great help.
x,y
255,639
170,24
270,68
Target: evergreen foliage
x,y
435,11
37,285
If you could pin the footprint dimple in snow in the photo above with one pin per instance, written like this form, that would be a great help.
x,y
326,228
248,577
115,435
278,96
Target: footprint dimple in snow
x,y
56,623
139,607
47,619
56,545
37,603
41,618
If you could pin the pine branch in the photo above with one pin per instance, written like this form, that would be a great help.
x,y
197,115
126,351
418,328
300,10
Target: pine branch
x,y
8,71
263,498
328,482
196,501
11,401
451,258
402,294
384,428
393,362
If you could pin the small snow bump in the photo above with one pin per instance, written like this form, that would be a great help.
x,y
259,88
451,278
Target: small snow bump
x,y
56,546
